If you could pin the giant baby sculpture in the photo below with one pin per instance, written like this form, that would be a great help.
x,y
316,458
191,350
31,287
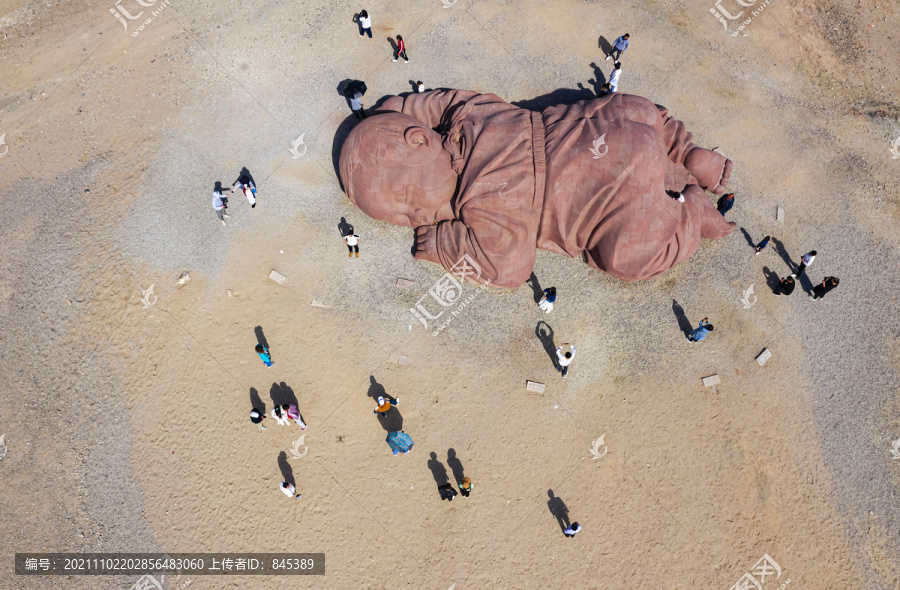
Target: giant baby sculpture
x,y
477,176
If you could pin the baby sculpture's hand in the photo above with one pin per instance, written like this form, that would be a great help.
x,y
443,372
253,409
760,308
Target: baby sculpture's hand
x,y
426,243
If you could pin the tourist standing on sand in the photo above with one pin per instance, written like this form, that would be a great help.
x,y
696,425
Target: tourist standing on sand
x,y
806,260
263,352
288,489
564,359
280,416
352,241
762,245
257,416
401,49
447,492
726,202
219,203
820,290
572,530
365,24
614,77
293,413
465,488
700,333
399,441
618,47
546,302
356,105
385,405
420,86
245,184
786,285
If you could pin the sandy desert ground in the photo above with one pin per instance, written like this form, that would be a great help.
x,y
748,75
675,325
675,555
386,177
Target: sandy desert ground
x,y
125,426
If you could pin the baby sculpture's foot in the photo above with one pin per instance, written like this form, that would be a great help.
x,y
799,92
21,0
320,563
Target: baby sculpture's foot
x,y
426,243
711,169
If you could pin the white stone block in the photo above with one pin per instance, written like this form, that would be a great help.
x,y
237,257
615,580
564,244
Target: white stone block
x,y
711,380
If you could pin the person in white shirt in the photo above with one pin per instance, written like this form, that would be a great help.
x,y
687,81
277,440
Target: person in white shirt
x,y
564,359
420,86
352,241
365,24
288,489
573,528
280,416
219,203
806,260
547,300
614,77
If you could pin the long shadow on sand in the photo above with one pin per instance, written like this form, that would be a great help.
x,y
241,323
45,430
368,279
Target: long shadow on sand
x,y
544,333
535,287
438,471
286,472
558,509
683,324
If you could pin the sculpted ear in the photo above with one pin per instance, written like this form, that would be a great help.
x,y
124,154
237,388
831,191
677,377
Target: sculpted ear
x,y
417,137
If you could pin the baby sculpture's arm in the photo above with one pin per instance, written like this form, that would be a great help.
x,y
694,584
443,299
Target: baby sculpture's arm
x,y
501,250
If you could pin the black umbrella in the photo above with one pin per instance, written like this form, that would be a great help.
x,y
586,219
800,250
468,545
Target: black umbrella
x,y
355,87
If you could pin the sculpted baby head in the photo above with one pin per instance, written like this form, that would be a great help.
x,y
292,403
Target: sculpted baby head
x,y
395,169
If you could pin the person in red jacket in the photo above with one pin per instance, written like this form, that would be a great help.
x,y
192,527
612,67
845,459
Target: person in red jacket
x,y
401,49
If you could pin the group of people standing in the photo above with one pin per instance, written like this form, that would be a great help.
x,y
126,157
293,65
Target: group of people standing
x,y
618,48
787,284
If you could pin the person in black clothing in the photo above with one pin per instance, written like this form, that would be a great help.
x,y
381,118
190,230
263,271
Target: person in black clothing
x,y
257,416
786,285
447,492
824,287
726,202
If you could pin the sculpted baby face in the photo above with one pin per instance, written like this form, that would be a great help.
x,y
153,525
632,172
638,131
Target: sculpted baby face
x,y
395,169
